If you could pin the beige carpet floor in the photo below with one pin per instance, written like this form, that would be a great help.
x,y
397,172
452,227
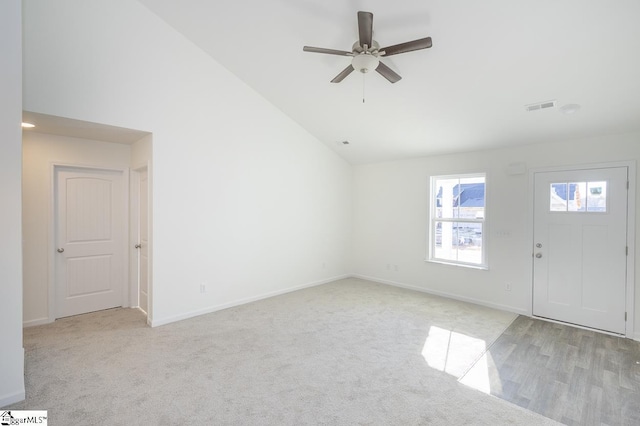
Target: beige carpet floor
x,y
351,352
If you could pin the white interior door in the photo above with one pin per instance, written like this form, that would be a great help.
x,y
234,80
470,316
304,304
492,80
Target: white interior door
x,y
90,230
580,246
143,241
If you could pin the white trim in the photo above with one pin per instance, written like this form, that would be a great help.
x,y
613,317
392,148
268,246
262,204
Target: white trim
x,y
134,232
187,315
134,209
631,256
444,294
12,398
35,322
631,231
54,166
150,241
458,264
18,394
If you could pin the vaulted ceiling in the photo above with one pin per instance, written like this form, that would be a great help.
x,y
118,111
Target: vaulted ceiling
x,y
468,92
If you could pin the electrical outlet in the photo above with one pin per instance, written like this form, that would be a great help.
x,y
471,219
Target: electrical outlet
x,y
507,286
396,268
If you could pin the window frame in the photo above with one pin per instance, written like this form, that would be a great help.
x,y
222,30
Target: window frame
x,y
431,251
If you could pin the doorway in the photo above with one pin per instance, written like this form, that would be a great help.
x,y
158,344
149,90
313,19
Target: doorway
x,y
90,225
580,248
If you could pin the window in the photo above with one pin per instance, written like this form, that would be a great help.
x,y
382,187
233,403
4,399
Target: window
x,y
458,220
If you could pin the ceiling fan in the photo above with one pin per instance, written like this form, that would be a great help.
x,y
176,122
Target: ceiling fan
x,y
366,52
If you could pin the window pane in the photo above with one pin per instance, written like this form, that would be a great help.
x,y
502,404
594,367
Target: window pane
x,y
577,195
558,197
471,198
446,191
458,241
597,196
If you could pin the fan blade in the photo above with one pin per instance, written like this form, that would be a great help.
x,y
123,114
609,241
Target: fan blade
x,y
365,28
345,72
388,73
327,51
410,46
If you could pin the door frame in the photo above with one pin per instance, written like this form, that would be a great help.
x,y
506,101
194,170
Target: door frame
x,y
52,231
134,195
631,211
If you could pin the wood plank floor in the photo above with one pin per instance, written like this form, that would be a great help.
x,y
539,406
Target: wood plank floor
x,y
574,376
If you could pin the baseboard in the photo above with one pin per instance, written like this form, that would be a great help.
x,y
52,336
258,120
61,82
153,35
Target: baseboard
x,y
34,322
13,376
187,315
12,398
445,294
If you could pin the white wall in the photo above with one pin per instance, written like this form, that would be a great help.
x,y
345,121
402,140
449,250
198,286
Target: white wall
x,y
244,199
391,211
40,152
11,352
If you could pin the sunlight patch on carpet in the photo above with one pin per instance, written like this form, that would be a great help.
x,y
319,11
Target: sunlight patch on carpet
x,y
451,352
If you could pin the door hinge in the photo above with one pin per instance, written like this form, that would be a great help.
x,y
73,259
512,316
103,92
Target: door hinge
x,y
626,250
625,316
627,184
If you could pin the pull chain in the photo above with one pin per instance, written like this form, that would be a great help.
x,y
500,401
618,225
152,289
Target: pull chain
x,y
363,86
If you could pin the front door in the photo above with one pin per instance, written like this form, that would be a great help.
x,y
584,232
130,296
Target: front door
x,y
90,230
580,246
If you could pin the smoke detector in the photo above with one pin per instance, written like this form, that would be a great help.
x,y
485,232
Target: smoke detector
x,y
569,109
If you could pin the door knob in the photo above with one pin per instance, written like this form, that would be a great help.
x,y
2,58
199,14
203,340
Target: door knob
x,y
61,250
138,246
538,255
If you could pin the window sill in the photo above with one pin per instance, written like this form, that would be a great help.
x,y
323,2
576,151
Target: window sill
x,y
463,265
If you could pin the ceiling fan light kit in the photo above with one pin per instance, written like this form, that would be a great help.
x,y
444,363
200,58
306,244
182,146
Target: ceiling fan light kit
x,y
366,52
365,62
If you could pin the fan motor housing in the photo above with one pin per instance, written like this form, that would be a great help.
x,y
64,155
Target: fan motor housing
x,y
373,49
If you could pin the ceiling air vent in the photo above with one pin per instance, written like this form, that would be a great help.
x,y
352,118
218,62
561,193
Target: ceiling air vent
x,y
540,105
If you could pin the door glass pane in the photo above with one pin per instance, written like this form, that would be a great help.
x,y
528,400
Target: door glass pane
x,y
558,197
597,196
577,196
